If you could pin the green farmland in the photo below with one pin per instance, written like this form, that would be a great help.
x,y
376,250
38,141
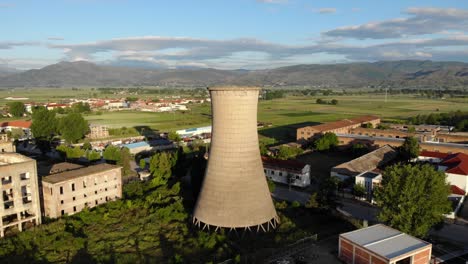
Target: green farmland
x,y
284,114
287,113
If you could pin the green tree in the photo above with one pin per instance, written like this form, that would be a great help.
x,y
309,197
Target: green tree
x,y
87,145
16,109
286,152
124,161
334,102
112,154
410,148
359,190
142,164
70,152
412,198
81,108
313,201
16,133
161,168
92,155
367,125
326,142
271,185
320,101
44,123
173,136
73,127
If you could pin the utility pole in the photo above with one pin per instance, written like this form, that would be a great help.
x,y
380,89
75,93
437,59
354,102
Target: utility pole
x,y
386,89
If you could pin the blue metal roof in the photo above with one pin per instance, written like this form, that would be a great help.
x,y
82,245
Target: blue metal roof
x,y
136,145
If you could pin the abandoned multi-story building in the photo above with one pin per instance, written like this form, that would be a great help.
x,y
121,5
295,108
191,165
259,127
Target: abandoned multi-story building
x,y
20,193
71,191
6,145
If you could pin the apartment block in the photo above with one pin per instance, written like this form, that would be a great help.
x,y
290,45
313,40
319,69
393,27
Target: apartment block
x,y
71,191
20,205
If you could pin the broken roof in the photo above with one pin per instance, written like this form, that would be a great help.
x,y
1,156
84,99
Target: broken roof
x,y
367,162
77,173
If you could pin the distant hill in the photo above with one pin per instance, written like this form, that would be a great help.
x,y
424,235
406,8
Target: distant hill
x,y
5,71
388,73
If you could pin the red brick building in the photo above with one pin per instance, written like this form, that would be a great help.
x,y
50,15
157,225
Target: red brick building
x,y
337,127
380,244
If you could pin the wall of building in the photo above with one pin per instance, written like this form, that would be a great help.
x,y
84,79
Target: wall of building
x,y
353,254
19,199
7,146
451,138
461,181
309,132
299,179
72,196
378,132
380,142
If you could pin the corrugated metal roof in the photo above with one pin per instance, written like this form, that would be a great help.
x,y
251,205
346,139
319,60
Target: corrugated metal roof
x,y
136,145
384,241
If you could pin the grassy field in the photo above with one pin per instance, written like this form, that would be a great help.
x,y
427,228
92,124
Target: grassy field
x,y
285,114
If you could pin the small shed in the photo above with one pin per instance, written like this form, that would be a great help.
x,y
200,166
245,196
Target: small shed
x,y
381,244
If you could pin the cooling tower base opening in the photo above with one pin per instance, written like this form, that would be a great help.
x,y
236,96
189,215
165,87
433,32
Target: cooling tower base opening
x,y
265,227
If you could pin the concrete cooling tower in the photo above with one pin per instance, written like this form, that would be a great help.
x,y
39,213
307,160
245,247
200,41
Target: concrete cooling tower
x,y
235,192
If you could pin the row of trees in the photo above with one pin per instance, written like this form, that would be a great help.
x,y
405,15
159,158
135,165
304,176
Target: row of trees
x,y
18,109
332,102
458,119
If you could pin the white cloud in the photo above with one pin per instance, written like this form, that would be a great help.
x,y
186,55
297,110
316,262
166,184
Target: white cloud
x,y
327,10
421,21
55,38
273,1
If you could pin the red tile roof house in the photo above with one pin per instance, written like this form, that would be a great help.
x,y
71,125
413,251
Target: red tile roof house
x,y
21,124
455,167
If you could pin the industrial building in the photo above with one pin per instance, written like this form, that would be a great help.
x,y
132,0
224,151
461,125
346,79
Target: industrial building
x,y
380,244
20,193
341,126
70,191
190,132
291,172
368,162
235,192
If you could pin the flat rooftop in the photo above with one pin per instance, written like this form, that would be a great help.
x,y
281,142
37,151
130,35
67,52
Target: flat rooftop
x,y
77,173
385,241
12,158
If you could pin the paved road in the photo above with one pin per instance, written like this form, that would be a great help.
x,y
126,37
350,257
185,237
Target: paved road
x,y
359,210
453,232
283,193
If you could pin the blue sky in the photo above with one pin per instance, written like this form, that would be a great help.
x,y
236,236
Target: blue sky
x,y
251,34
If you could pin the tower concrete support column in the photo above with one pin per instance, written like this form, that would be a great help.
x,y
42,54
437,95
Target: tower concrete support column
x,y
235,192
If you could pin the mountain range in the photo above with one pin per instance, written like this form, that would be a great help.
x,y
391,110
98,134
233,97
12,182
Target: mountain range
x,y
386,73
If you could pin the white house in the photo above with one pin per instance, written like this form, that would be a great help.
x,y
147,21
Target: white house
x,y
455,167
289,172
369,179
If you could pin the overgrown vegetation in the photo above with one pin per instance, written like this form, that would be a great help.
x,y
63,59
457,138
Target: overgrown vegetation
x,y
151,224
458,119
